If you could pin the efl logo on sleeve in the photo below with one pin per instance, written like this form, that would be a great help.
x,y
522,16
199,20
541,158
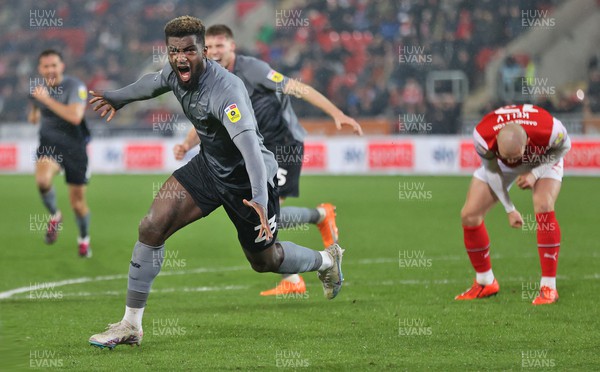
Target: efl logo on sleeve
x,y
275,76
233,113
82,93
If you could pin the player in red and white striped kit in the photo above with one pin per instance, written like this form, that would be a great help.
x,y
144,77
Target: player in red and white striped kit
x,y
524,144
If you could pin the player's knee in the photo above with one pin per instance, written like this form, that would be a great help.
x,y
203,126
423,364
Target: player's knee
x,y
150,232
470,218
78,206
43,183
543,203
264,262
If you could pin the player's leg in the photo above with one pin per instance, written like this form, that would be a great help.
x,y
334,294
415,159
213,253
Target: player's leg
x,y
46,167
82,217
173,208
545,194
282,257
75,165
288,179
480,199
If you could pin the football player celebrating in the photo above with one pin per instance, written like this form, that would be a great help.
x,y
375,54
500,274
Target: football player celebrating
x,y
526,145
233,166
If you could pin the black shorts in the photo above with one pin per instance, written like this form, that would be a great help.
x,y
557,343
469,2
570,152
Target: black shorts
x,y
72,159
289,158
209,195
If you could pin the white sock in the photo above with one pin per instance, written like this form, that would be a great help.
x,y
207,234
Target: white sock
x,y
548,281
292,278
134,316
322,214
485,278
327,261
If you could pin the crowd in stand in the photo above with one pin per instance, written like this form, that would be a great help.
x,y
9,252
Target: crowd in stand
x,y
371,58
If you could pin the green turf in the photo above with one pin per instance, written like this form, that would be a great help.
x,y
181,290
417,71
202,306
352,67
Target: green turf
x,y
386,317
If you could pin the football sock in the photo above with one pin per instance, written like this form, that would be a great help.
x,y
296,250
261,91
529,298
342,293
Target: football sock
x,y
292,278
477,243
548,282
134,316
485,278
298,259
327,261
294,216
548,239
145,265
322,214
83,222
49,199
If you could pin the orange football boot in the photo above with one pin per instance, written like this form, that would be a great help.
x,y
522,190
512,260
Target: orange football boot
x,y
327,227
286,287
479,291
547,296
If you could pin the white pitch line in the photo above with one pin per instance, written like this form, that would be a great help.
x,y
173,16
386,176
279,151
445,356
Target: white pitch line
x,y
121,293
61,283
366,261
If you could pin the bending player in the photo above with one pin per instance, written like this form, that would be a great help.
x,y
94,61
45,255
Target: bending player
x,y
527,145
269,93
60,102
233,166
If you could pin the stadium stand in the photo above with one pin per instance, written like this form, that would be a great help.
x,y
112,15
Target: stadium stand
x,y
373,59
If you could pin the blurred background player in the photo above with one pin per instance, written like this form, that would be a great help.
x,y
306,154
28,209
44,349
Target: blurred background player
x,y
269,93
524,144
233,165
59,100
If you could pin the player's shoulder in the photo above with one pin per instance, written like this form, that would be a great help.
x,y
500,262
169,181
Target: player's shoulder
x,y
221,84
74,87
73,81
485,125
247,62
218,76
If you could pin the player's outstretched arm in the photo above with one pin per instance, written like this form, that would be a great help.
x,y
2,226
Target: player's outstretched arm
x,y
312,96
191,140
148,86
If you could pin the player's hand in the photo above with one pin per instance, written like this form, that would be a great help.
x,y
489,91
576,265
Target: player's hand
x,y
180,150
102,103
343,119
526,181
262,214
40,93
515,220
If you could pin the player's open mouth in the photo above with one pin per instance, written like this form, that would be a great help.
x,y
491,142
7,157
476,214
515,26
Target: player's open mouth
x,y
185,73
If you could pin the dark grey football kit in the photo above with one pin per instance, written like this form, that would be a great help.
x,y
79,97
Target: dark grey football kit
x,y
277,121
60,140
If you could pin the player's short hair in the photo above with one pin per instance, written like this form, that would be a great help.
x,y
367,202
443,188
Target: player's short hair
x,y
185,26
218,30
50,52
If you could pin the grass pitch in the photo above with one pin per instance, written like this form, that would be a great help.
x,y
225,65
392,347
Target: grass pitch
x,y
404,263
